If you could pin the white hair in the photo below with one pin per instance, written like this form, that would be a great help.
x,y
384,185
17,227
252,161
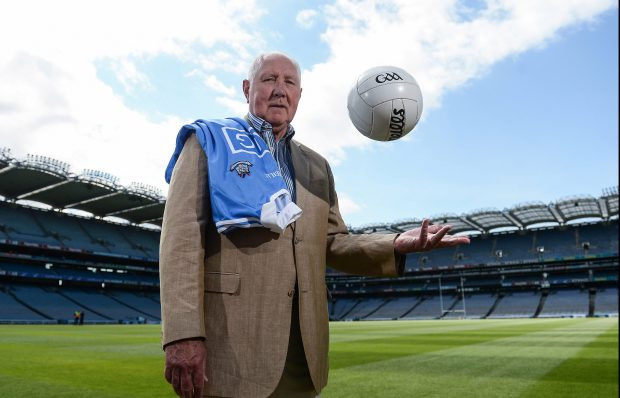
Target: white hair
x,y
258,63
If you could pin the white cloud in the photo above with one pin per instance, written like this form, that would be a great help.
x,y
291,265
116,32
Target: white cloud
x,y
306,18
129,76
52,101
235,60
239,108
347,205
438,42
72,116
117,28
214,83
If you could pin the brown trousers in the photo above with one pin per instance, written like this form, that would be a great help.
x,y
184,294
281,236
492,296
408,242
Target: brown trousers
x,y
295,381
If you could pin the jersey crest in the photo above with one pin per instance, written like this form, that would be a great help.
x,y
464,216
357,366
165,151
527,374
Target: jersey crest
x,y
242,168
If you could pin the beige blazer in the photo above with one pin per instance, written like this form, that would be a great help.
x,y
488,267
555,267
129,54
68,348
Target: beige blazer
x,y
236,290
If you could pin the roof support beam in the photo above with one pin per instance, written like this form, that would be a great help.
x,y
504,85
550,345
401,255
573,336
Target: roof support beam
x,y
512,219
472,224
603,205
556,214
36,191
73,205
9,167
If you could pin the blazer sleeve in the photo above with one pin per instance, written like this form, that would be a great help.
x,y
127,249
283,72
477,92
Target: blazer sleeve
x,y
182,247
364,254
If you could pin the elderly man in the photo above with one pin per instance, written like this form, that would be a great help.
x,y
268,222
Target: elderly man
x,y
245,313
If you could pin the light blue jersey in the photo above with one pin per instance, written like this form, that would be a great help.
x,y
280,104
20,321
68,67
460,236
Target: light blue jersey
x,y
245,184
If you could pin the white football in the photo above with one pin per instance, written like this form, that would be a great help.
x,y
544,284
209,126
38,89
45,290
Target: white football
x,y
385,103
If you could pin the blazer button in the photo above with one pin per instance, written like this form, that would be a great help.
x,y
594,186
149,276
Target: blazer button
x,y
297,240
291,292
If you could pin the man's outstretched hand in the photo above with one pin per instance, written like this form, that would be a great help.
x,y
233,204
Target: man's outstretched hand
x,y
185,367
426,238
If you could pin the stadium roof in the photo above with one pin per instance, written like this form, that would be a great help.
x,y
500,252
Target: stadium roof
x,y
517,217
49,181
5,157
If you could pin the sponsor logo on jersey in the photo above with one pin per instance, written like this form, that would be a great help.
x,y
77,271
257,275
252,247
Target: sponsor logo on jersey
x,y
241,141
273,174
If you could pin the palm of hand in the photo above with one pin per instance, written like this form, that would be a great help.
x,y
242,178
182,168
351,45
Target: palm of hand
x,y
426,238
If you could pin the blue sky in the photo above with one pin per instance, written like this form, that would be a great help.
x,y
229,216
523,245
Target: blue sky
x,y
520,98
536,127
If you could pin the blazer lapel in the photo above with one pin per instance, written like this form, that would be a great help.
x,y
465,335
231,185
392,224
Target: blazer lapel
x,y
302,184
302,180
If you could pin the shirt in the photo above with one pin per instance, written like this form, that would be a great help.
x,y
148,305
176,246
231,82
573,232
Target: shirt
x,y
280,149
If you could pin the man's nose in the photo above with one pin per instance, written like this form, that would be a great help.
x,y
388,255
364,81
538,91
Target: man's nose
x,y
278,89
278,93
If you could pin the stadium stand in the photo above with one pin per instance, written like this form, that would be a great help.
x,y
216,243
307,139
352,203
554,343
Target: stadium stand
x,y
517,305
137,302
531,260
570,302
341,308
607,302
44,301
428,308
14,311
394,309
365,308
476,306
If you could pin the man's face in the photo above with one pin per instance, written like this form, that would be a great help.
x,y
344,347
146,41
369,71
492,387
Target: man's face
x,y
274,93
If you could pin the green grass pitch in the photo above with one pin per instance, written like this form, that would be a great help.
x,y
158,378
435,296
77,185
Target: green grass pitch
x,y
459,358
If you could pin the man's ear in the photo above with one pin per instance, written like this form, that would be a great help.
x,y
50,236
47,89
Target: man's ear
x,y
246,89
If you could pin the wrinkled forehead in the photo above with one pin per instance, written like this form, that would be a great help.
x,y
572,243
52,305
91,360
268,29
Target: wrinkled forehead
x,y
278,65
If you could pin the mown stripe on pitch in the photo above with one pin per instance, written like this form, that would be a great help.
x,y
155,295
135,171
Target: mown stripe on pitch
x,y
17,387
352,331
96,361
378,348
499,368
591,372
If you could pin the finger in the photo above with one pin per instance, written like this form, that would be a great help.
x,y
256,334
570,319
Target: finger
x,y
186,384
421,242
439,235
453,241
198,380
461,239
198,392
433,229
176,384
